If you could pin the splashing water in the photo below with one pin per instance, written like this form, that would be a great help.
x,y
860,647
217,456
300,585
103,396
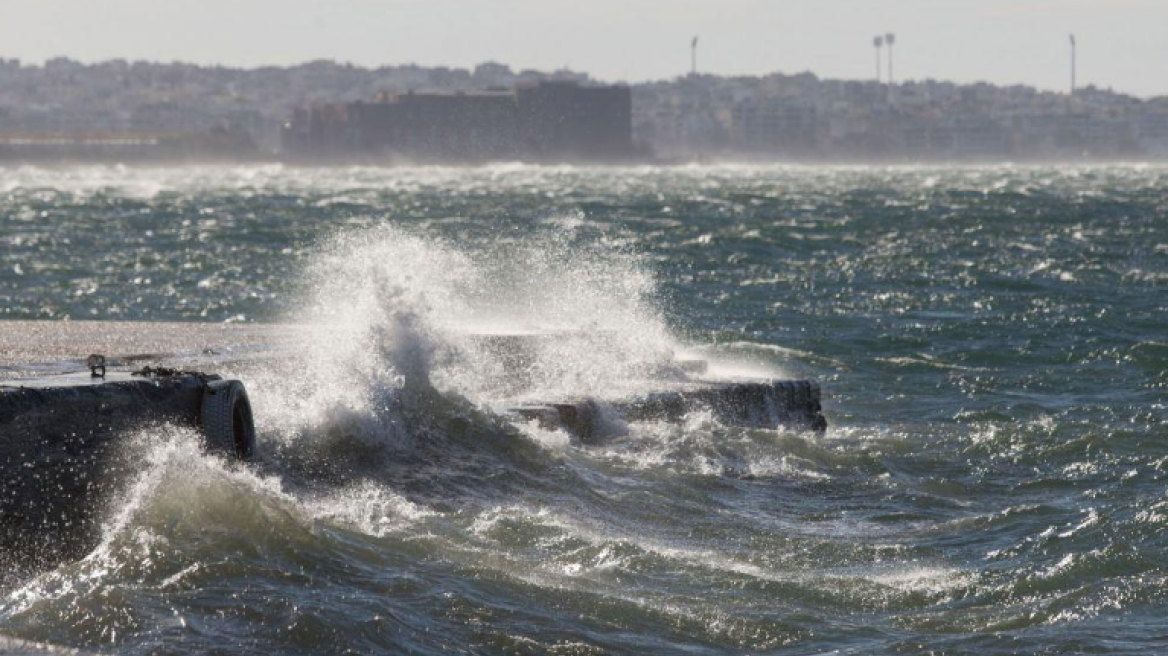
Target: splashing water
x,y
392,314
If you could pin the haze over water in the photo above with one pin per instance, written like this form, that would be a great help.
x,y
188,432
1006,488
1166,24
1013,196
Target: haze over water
x,y
990,342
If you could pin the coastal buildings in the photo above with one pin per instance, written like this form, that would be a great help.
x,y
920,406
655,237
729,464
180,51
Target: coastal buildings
x,y
548,121
492,112
804,118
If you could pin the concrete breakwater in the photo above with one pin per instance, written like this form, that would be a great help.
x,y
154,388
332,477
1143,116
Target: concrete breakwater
x,y
66,436
64,447
67,439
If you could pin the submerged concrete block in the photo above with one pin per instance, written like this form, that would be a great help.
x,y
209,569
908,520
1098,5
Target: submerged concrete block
x,y
758,404
578,418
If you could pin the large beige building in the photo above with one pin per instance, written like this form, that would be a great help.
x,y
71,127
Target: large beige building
x,y
543,122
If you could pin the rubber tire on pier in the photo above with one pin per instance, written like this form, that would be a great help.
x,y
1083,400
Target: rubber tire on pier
x,y
226,419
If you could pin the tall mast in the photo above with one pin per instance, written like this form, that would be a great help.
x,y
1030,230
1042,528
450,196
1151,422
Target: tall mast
x,y
890,39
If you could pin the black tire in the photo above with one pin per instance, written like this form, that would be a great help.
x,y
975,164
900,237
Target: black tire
x,y
226,419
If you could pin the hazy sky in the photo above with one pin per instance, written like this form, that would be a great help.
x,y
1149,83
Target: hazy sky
x,y
1122,43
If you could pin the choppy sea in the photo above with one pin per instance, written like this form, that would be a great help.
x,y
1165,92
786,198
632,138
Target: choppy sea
x,y
992,344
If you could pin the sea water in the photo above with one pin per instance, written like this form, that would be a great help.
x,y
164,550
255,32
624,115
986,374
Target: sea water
x,y
992,343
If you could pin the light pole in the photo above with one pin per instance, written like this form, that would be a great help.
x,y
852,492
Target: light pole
x,y
1073,64
879,43
693,56
890,39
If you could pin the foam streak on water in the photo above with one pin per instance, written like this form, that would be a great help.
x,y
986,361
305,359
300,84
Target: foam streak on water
x,y
991,343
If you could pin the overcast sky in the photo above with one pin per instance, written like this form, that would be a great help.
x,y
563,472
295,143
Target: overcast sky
x,y
1122,43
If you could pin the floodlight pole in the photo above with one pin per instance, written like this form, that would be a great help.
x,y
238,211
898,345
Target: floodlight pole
x,y
890,39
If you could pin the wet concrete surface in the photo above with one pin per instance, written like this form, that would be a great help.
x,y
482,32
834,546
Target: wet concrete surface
x,y
29,348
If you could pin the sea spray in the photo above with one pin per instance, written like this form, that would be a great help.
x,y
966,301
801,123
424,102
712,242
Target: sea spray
x,y
388,311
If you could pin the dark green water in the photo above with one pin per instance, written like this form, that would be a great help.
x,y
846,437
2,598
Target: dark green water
x,y
992,345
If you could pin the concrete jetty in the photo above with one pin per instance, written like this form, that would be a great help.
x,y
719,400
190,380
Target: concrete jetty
x,y
64,448
63,429
63,436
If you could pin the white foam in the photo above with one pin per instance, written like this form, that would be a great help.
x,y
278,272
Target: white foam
x,y
389,310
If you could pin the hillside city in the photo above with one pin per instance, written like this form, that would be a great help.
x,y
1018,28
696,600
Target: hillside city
x,y
234,113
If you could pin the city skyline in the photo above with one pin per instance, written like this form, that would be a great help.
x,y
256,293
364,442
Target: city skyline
x,y
995,41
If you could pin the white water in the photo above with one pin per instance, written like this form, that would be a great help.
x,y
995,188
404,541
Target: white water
x,y
389,313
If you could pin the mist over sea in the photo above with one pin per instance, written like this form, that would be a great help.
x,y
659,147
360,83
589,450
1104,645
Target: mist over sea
x,y
992,344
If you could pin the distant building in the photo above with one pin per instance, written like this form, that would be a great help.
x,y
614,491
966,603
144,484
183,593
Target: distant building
x,y
548,121
787,127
